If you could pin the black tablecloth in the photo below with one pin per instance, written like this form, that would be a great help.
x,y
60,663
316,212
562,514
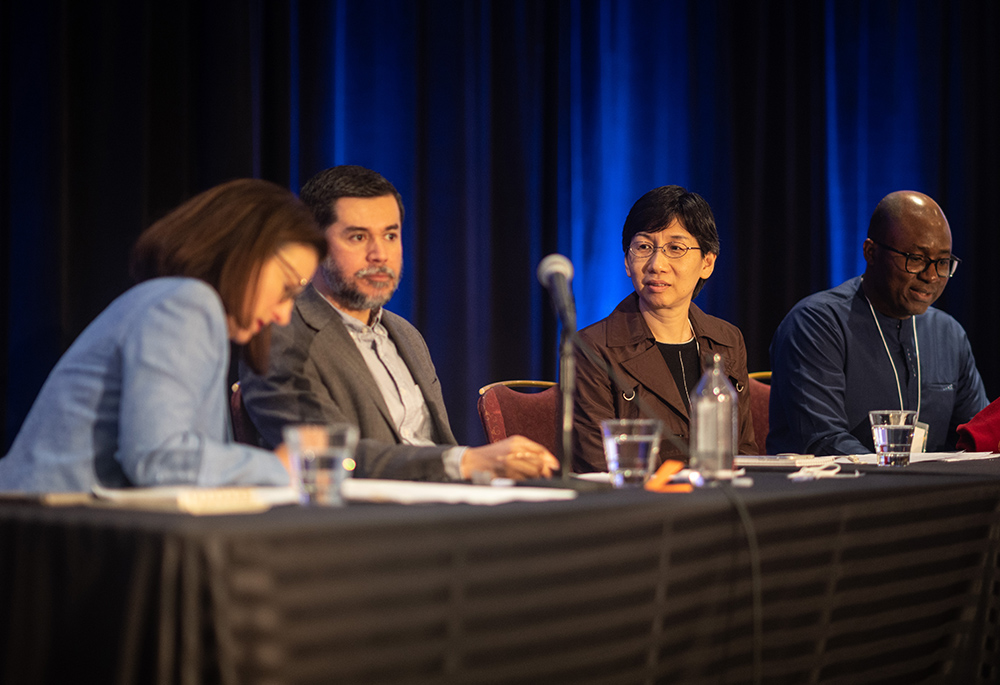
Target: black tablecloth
x,y
890,577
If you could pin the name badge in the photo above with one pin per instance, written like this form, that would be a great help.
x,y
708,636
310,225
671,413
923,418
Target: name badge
x,y
919,444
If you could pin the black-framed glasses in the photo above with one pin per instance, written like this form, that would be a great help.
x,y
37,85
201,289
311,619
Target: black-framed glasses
x,y
291,292
645,250
917,264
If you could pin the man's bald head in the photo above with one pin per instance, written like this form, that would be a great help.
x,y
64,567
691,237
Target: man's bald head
x,y
909,222
906,208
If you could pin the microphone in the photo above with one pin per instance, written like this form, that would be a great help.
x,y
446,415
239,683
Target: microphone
x,y
555,272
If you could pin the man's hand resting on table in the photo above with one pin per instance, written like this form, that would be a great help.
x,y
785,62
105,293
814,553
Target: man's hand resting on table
x,y
515,457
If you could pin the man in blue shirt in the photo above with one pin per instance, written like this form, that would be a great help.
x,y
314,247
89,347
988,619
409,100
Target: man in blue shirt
x,y
875,342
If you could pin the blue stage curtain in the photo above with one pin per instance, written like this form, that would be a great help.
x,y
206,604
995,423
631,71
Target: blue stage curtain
x,y
513,129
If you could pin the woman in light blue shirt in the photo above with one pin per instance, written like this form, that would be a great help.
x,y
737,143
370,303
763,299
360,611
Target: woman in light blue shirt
x,y
140,398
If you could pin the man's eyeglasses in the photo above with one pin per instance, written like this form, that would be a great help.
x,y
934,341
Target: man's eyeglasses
x,y
917,264
291,291
644,250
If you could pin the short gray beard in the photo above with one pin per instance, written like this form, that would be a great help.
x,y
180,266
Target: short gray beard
x,y
347,295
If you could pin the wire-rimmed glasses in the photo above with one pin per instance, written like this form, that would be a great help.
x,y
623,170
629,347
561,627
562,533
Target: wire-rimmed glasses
x,y
644,250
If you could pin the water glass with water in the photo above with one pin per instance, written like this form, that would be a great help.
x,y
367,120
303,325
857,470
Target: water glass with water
x,y
892,435
632,449
321,456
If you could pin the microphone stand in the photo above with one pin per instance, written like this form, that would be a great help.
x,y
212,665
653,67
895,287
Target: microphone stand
x,y
555,272
567,387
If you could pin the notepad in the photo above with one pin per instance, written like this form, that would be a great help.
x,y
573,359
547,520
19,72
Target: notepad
x,y
790,460
199,501
411,492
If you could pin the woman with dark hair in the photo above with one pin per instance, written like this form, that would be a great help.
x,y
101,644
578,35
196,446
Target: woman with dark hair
x,y
140,397
656,341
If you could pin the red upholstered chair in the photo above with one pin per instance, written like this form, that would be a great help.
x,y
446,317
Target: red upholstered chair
x,y
243,429
760,398
506,411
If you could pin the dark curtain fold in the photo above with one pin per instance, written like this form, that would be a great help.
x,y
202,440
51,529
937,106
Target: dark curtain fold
x,y
513,129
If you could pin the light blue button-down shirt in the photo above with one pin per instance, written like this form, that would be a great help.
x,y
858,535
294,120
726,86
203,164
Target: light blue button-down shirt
x,y
139,399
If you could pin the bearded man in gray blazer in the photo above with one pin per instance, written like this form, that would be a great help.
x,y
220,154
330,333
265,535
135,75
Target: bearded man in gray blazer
x,y
343,358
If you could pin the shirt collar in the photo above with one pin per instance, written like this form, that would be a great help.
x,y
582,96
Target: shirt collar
x,y
352,323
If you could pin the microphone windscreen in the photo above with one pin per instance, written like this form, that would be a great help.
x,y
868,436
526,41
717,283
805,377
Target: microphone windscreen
x,y
552,265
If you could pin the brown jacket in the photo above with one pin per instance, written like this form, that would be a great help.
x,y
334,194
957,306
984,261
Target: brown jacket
x,y
625,343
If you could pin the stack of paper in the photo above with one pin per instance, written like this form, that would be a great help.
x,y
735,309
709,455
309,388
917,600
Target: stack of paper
x,y
916,457
192,500
792,460
408,492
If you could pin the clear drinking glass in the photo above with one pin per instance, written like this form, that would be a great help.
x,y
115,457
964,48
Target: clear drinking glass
x,y
632,449
892,434
321,456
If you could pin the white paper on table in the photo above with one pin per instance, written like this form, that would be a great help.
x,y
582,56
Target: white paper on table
x,y
195,500
793,460
595,477
410,492
920,457
951,456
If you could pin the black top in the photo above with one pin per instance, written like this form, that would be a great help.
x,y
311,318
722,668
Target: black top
x,y
684,365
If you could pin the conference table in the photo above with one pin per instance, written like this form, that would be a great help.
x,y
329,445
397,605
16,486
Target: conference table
x,y
889,577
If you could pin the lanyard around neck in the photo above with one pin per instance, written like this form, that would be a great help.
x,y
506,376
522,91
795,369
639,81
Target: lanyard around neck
x,y
916,343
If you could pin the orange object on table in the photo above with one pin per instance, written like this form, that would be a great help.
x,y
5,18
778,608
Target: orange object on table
x,y
660,482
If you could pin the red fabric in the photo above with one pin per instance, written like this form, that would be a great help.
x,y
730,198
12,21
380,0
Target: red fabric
x,y
982,433
506,412
760,398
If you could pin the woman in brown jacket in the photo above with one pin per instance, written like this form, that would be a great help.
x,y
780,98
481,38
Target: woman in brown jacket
x,y
657,342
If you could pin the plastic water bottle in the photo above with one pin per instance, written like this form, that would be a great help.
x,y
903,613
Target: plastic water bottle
x,y
713,423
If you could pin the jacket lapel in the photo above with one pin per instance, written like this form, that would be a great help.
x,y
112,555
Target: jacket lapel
x,y
712,339
650,371
629,335
338,349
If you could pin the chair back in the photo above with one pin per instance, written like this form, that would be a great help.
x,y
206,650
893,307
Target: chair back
x,y
243,429
505,411
760,398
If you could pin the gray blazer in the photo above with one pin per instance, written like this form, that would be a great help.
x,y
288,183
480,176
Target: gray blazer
x,y
317,375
